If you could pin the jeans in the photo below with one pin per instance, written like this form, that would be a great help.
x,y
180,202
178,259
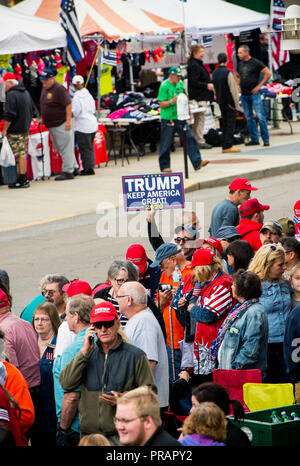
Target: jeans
x,y
177,363
167,131
252,103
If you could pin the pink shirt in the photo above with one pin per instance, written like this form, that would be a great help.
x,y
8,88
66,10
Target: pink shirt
x,y
22,347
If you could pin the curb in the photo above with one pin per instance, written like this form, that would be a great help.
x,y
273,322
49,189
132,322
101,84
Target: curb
x,y
254,175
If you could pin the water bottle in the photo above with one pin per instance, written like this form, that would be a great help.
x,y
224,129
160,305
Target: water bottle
x,y
176,275
295,417
285,417
275,419
294,114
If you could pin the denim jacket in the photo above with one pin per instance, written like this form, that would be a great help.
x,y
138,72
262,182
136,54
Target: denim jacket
x,y
245,342
277,301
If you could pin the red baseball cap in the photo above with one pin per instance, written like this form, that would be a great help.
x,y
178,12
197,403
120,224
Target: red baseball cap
x,y
77,287
215,243
202,257
103,312
7,76
252,206
3,299
137,255
241,183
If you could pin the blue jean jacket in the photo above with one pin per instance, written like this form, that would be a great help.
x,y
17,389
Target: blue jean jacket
x,y
245,342
277,301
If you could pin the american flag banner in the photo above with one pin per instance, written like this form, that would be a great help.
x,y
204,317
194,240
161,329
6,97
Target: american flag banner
x,y
70,24
279,57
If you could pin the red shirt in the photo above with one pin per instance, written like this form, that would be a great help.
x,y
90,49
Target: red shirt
x,y
250,232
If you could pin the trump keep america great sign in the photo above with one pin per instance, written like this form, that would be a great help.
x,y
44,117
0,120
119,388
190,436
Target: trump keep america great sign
x,y
162,191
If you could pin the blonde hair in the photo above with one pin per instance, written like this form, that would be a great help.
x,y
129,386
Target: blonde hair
x,y
264,258
194,50
146,403
202,273
294,269
94,440
208,420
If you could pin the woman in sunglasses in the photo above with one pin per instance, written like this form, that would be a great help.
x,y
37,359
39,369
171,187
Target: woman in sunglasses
x,y
269,264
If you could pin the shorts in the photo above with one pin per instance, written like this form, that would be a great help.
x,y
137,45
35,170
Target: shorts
x,y
18,144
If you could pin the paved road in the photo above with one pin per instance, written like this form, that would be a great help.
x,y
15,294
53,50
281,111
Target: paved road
x,y
73,247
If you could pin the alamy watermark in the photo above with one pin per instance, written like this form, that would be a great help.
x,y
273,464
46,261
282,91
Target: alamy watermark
x,y
114,222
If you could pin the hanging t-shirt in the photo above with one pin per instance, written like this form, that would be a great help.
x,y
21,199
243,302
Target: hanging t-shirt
x,y
106,86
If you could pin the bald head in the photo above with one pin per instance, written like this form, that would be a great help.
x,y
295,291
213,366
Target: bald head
x,y
132,298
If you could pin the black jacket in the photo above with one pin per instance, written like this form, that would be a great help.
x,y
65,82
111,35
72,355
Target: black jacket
x,y
198,78
161,438
18,109
291,345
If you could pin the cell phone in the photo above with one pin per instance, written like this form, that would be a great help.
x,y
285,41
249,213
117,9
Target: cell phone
x,y
91,340
110,393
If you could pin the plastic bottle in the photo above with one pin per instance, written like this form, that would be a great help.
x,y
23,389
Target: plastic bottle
x,y
295,416
294,114
275,419
285,417
182,107
176,275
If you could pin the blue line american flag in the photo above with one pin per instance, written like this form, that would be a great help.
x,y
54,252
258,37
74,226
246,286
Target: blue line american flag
x,y
70,24
279,57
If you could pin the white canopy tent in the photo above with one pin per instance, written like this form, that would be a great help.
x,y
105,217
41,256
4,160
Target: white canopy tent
x,y
205,17
21,33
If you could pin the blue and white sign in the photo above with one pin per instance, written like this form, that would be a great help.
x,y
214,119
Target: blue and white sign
x,y
162,191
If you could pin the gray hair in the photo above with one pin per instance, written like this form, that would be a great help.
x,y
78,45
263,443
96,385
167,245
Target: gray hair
x,y
245,47
15,82
53,278
127,266
137,292
3,354
82,304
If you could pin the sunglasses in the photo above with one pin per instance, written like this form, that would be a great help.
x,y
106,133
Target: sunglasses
x,y
273,247
183,240
105,324
120,281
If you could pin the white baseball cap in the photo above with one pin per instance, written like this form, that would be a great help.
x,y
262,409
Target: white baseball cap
x,y
77,79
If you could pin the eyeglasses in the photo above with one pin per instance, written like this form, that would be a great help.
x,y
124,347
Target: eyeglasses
x,y
49,292
182,240
105,324
127,421
122,296
120,281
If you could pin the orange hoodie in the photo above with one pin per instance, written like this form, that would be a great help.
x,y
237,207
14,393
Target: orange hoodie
x,y
17,386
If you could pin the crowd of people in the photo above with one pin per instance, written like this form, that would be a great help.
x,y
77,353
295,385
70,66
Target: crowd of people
x,y
131,360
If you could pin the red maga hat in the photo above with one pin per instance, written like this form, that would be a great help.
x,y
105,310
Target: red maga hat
x,y
202,257
241,183
77,287
137,255
215,243
252,206
3,299
7,76
103,312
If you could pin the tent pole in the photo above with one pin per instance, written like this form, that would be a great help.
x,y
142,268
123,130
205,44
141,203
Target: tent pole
x,y
99,78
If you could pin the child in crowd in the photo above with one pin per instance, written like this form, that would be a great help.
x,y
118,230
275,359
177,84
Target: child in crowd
x,y
295,283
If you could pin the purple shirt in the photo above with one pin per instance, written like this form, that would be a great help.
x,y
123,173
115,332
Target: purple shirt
x,y
22,347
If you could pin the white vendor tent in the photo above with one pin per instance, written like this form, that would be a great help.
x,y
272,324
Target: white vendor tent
x,y
20,33
205,17
113,19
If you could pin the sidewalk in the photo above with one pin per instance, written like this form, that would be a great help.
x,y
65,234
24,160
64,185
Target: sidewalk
x,y
49,200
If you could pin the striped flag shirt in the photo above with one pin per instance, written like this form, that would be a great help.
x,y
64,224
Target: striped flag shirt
x,y
70,24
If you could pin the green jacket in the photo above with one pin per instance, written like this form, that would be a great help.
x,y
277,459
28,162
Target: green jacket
x,y
124,368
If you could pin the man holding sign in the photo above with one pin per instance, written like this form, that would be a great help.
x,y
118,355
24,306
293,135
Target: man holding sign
x,y
167,97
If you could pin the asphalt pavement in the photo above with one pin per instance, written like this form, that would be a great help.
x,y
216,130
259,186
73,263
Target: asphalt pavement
x,y
49,200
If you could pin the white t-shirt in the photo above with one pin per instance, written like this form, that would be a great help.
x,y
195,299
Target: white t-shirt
x,y
83,109
144,331
64,338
